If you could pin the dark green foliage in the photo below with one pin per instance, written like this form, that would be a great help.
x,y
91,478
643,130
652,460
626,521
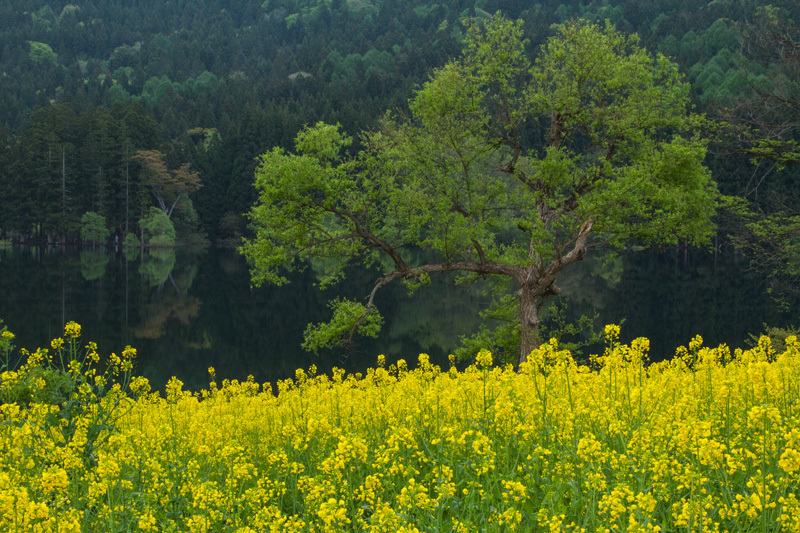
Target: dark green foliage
x,y
762,108
63,165
776,335
83,88
131,241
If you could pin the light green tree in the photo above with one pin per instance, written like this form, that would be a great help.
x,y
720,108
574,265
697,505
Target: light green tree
x,y
93,228
41,52
507,169
157,228
131,241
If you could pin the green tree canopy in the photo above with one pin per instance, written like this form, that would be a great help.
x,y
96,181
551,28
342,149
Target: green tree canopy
x,y
166,184
41,52
93,228
507,169
157,228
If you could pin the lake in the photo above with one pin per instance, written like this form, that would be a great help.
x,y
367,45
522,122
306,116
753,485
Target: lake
x,y
186,309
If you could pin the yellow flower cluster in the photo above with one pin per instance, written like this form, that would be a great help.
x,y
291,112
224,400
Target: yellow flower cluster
x,y
701,443
72,330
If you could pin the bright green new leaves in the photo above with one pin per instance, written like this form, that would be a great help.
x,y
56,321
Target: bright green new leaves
x,y
42,52
157,228
298,196
508,167
323,141
93,228
318,205
338,332
594,129
619,117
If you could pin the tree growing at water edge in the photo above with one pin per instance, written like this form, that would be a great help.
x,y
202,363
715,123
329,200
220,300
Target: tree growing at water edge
x,y
157,228
507,169
168,185
93,228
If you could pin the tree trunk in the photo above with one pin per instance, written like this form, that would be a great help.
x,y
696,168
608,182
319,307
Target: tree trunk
x,y
127,190
538,284
63,194
528,322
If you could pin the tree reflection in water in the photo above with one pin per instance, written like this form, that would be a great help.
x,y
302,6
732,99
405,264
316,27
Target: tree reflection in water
x,y
186,309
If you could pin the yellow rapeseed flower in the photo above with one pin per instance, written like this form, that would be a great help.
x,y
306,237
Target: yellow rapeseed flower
x,y
484,359
557,447
72,330
612,332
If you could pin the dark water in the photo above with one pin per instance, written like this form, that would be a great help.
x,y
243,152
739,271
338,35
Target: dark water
x,y
188,309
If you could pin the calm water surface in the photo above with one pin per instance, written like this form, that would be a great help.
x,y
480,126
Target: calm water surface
x,y
191,308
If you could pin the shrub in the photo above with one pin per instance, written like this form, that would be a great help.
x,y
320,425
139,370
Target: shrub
x,y
157,228
93,228
131,241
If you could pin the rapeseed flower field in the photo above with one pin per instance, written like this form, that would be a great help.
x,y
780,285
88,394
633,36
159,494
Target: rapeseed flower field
x,y
708,441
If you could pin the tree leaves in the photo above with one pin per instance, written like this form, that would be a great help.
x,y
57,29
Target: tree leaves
x,y
167,184
464,179
339,330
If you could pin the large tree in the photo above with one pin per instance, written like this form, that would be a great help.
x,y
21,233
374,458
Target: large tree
x,y
167,184
506,169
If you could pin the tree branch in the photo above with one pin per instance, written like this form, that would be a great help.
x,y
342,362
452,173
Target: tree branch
x,y
479,249
388,249
557,264
484,267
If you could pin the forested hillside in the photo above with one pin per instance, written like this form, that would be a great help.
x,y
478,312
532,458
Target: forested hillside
x,y
85,86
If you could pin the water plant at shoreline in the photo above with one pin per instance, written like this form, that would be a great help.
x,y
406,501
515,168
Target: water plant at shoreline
x,y
708,441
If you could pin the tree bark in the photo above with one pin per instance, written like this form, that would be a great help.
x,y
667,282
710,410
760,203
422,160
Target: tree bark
x,y
538,283
63,194
528,322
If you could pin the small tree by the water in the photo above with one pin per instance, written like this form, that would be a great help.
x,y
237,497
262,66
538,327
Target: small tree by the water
x,y
157,228
93,228
131,241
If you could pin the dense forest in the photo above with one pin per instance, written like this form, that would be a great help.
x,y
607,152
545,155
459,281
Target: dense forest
x,y
94,88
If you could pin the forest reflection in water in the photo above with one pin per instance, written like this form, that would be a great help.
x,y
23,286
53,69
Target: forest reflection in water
x,y
186,309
